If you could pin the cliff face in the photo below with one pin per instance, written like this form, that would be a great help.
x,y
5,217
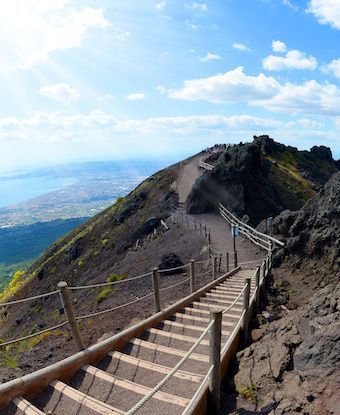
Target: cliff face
x,y
261,179
293,365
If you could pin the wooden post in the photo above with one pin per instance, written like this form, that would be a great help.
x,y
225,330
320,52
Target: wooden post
x,y
214,276
209,239
235,259
263,270
69,311
215,361
155,285
257,286
195,224
246,297
219,263
200,228
205,231
227,260
192,276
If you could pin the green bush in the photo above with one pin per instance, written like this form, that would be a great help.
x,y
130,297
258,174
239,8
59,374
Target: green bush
x,y
103,294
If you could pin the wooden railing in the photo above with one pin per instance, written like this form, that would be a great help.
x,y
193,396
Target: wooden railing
x,y
260,239
205,165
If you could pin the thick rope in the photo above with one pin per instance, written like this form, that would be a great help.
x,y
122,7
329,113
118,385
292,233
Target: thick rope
x,y
109,310
174,285
36,297
173,269
105,284
34,334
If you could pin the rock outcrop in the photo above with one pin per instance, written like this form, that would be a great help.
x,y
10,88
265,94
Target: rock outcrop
x,y
261,179
293,365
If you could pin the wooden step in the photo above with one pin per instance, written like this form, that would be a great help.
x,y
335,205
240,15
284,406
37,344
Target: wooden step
x,y
222,297
211,306
200,320
85,400
180,374
221,303
169,350
176,336
174,324
26,407
205,312
135,387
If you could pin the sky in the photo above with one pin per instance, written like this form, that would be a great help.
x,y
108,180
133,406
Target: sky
x,y
110,79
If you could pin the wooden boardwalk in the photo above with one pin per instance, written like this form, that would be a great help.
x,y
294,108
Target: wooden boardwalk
x,y
119,379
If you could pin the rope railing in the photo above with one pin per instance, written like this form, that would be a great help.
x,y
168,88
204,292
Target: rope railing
x,y
167,270
65,294
30,336
174,285
110,310
105,284
35,297
153,391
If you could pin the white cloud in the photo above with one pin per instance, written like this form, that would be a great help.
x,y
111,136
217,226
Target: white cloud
x,y
53,137
294,59
193,26
203,7
333,68
326,11
278,46
161,89
289,4
31,30
60,92
137,96
229,87
241,47
209,57
161,5
310,97
123,36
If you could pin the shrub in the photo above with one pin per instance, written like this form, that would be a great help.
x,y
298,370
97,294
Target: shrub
x,y
248,393
103,294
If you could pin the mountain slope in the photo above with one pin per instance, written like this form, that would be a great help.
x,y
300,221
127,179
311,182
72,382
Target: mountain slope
x,y
262,178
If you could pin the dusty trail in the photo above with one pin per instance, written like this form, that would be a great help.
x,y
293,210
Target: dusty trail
x,y
221,239
188,175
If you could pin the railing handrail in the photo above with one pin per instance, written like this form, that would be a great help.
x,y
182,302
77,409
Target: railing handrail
x,y
205,165
244,225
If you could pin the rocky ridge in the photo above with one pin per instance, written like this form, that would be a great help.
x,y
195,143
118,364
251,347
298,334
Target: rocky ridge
x,y
293,364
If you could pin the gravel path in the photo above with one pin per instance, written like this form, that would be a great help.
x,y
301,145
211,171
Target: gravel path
x,y
188,176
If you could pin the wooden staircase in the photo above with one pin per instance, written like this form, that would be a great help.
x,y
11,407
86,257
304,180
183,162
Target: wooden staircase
x,y
117,382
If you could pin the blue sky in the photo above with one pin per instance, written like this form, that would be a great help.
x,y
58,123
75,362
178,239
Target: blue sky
x,y
100,79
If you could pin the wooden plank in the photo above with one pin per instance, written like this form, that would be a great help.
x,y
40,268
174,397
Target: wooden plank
x,y
202,319
169,350
176,336
171,323
26,407
85,400
134,387
135,361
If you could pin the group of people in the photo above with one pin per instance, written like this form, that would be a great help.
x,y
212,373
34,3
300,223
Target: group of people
x,y
216,148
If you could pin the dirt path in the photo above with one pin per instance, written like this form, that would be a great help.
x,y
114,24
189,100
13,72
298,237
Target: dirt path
x,y
188,175
222,241
220,230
